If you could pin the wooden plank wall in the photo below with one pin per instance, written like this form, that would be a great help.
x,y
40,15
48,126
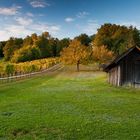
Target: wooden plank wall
x,y
114,76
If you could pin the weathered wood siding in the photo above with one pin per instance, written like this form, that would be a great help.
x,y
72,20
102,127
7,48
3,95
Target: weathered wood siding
x,y
114,76
127,71
130,70
137,73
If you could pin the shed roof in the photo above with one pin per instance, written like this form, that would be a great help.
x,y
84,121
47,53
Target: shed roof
x,y
119,58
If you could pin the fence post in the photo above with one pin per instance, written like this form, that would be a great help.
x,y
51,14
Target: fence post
x,y
0,77
3,77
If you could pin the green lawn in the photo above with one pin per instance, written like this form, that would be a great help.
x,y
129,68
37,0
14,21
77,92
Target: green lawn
x,y
68,105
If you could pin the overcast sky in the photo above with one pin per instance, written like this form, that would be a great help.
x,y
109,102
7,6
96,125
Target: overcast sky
x,y
64,18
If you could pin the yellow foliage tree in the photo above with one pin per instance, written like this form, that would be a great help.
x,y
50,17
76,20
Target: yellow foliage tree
x,y
102,54
76,53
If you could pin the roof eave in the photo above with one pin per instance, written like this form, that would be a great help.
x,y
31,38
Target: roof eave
x,y
119,58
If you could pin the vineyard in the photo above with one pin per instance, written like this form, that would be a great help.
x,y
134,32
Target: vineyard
x,y
12,69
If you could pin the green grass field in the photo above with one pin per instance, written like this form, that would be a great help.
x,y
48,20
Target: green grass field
x,y
68,105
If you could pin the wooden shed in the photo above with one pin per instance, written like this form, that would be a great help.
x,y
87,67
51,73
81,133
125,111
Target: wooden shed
x,y
125,69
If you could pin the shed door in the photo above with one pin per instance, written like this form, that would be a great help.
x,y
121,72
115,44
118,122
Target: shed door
x,y
137,72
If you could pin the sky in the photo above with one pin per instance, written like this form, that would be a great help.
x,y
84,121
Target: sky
x,y
64,18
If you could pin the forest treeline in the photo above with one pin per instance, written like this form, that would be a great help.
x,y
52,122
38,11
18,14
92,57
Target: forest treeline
x,y
32,47
110,39
36,47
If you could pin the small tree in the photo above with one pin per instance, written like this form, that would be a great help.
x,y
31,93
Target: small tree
x,y
102,54
76,53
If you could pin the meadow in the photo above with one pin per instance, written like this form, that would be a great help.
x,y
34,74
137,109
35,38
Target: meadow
x,y
69,105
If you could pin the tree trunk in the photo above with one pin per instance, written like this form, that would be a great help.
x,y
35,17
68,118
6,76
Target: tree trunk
x,y
78,66
99,66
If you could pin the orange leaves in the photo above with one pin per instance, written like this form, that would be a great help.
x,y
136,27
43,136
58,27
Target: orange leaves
x,y
75,53
102,54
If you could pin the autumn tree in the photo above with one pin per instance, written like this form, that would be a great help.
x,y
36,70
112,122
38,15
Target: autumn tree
x,y
117,38
102,54
11,45
76,53
33,37
53,43
28,41
2,44
63,43
43,44
84,39
27,53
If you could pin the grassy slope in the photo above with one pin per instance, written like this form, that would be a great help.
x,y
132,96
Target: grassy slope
x,y
69,105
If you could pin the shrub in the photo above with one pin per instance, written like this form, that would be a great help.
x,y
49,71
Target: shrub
x,y
9,69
